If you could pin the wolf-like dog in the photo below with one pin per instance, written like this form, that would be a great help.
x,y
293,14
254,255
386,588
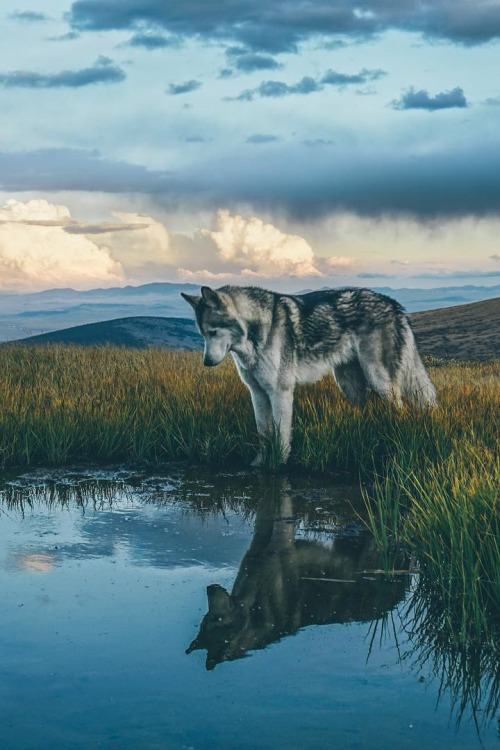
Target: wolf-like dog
x,y
281,340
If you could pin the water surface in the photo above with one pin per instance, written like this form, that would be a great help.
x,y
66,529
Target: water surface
x,y
190,610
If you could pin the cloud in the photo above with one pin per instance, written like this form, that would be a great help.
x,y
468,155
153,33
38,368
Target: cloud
x,y
283,26
247,61
334,78
367,275
495,256
258,138
308,85
203,275
102,71
492,101
400,262
152,41
75,169
184,88
340,261
45,255
28,16
413,99
307,183
317,142
260,249
68,37
278,89
194,139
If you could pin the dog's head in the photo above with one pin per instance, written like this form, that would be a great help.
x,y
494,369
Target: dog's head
x,y
217,322
220,628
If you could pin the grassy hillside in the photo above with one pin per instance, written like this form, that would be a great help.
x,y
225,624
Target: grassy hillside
x,y
171,333
469,332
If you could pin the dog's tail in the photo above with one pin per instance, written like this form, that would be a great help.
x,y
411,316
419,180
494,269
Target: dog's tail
x,y
415,383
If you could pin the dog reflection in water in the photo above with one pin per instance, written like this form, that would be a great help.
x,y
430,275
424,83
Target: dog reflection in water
x,y
285,583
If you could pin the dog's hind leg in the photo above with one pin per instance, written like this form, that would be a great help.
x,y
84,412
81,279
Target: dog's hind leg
x,y
351,381
379,380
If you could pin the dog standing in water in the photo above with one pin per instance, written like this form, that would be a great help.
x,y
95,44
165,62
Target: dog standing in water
x,y
281,340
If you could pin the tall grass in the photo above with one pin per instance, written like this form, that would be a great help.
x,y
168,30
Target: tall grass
x,y
60,404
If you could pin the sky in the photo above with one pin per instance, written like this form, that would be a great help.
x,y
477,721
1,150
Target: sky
x,y
292,144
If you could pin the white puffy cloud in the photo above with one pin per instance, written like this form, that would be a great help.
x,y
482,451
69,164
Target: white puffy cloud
x,y
340,261
35,251
256,248
146,242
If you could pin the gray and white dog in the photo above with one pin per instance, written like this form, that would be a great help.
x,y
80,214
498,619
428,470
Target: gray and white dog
x,y
280,340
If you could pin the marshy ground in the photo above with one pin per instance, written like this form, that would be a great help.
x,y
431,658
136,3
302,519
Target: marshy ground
x,y
428,481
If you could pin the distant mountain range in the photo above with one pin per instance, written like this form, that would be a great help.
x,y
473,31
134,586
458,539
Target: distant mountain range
x,y
469,331
23,315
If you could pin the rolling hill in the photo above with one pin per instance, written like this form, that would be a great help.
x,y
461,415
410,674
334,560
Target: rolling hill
x,y
467,332
461,332
137,332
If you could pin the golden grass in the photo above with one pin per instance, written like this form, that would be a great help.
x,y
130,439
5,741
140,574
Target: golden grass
x,y
60,404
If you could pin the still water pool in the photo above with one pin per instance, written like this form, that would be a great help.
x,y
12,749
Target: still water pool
x,y
191,610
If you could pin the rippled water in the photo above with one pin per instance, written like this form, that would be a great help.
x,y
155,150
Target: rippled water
x,y
190,610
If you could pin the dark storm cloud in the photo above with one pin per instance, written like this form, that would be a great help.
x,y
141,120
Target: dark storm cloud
x,y
258,138
102,71
247,62
28,16
151,41
72,169
280,25
413,99
184,88
304,182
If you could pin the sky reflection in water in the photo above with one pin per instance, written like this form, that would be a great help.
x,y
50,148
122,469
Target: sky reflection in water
x,y
296,642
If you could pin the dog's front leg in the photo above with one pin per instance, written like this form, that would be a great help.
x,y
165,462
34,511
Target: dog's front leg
x,y
263,416
282,406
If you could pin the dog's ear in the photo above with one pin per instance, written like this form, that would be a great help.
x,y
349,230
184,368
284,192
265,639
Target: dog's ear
x,y
192,299
211,297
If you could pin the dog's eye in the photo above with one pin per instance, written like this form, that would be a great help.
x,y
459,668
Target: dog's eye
x,y
212,333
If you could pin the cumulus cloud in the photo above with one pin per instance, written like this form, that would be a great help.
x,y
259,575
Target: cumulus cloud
x,y
413,99
184,88
261,249
38,254
151,245
283,26
102,71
